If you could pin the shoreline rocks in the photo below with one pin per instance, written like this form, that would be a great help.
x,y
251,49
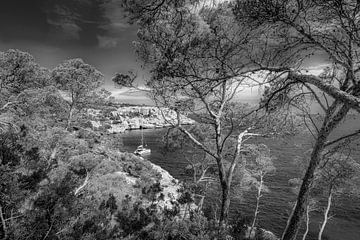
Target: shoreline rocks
x,y
132,118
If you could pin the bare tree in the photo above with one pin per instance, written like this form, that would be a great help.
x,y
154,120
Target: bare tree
x,y
312,205
294,30
258,168
197,55
336,175
193,70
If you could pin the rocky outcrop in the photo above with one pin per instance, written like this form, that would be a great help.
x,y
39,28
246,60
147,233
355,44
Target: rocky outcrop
x,y
171,192
170,187
136,117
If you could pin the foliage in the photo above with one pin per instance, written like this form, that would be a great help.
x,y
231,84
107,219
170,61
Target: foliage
x,y
57,184
78,80
124,80
291,32
336,177
19,71
198,56
337,174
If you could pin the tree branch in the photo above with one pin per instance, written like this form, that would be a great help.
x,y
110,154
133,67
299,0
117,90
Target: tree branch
x,y
346,98
316,97
7,104
196,142
342,138
48,231
3,222
82,185
237,152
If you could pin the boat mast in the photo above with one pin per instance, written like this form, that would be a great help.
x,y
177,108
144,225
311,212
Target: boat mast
x,y
142,136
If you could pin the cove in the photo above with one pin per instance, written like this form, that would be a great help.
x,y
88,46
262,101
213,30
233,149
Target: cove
x,y
275,205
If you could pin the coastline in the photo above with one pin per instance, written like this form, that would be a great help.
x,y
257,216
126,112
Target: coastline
x,y
121,119
275,203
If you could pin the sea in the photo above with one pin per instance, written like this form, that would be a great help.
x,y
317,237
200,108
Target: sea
x,y
275,204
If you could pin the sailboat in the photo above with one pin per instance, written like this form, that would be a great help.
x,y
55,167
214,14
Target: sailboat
x,y
141,150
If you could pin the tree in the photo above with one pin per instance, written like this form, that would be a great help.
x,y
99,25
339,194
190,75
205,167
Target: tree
x,y
293,31
78,80
336,176
261,166
201,167
176,43
310,207
18,72
312,204
124,80
196,53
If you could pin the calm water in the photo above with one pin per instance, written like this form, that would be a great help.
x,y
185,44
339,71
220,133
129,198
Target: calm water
x,y
275,206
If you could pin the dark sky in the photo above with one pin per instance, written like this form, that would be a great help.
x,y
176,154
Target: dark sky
x,y
55,30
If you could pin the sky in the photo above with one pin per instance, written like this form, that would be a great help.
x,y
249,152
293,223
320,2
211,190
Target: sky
x,y
94,30
56,30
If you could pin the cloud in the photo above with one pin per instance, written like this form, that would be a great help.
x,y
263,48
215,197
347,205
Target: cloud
x,y
94,23
107,42
53,30
65,29
62,22
120,25
71,29
78,20
117,21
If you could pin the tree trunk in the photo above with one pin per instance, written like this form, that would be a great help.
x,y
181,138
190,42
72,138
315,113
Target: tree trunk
x,y
332,119
288,220
226,179
350,99
307,221
77,190
257,204
326,215
225,203
194,176
201,203
69,118
3,223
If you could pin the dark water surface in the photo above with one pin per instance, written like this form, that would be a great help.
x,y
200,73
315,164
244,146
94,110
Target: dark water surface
x,y
275,206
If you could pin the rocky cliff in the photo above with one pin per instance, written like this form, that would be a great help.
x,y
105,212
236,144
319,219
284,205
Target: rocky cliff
x,y
135,117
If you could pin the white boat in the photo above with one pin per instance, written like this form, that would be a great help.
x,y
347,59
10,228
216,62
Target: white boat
x,y
141,150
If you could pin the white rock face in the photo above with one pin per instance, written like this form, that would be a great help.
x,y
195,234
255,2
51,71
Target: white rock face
x,y
148,117
116,128
128,118
170,190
